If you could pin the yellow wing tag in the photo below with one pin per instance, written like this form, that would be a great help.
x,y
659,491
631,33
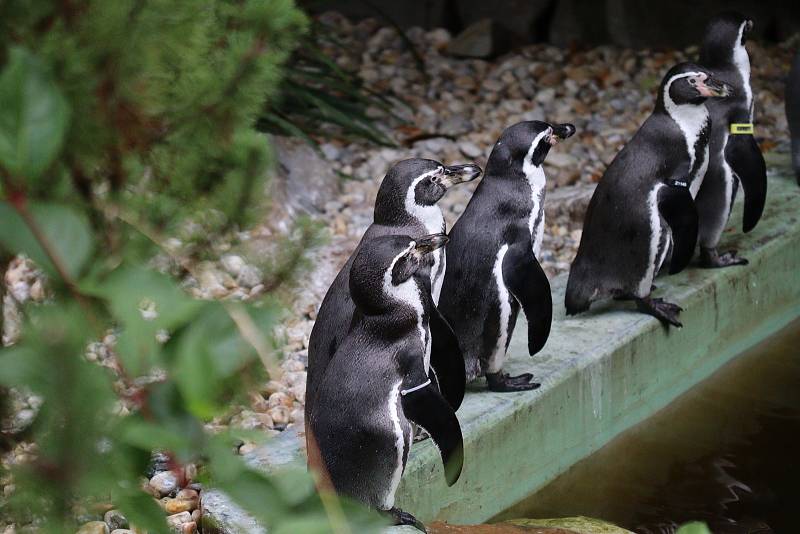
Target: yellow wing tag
x,y
742,128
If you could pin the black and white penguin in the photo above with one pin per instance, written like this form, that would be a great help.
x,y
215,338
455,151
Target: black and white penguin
x,y
492,267
793,112
405,205
734,155
642,211
377,383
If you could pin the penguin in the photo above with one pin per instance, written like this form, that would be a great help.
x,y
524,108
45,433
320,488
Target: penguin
x,y
734,155
406,205
642,215
793,112
492,266
378,381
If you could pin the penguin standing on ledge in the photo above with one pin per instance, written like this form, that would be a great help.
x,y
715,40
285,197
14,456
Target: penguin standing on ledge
x,y
377,382
405,205
492,268
734,156
642,212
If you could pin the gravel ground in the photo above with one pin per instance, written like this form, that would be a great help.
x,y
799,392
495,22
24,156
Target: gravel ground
x,y
453,116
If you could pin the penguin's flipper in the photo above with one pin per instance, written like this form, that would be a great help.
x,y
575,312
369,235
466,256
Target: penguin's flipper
x,y
447,360
426,407
744,157
526,280
677,207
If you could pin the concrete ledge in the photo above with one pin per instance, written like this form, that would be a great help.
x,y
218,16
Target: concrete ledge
x,y
603,372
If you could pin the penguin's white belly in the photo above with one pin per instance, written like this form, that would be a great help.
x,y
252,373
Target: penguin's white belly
x,y
400,444
697,180
498,355
437,274
655,238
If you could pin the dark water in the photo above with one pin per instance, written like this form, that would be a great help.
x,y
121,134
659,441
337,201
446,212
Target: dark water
x,y
727,452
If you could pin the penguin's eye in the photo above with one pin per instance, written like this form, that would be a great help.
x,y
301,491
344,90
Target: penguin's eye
x,y
435,178
692,81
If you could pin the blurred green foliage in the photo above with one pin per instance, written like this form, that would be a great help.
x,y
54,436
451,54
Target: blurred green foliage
x,y
119,121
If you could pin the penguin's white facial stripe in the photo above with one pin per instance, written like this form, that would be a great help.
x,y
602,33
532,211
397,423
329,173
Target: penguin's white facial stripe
x,y
534,144
429,215
690,119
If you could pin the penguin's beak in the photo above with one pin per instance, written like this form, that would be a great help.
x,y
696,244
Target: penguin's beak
x,y
560,132
457,174
713,88
428,243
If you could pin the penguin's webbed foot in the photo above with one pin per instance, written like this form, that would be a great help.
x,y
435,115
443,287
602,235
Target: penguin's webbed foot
x,y
404,518
502,382
664,311
711,259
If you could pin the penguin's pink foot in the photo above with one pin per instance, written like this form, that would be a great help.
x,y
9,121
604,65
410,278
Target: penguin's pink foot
x,y
711,259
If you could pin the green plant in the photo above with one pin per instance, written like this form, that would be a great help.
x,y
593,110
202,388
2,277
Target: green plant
x,y
120,121
316,93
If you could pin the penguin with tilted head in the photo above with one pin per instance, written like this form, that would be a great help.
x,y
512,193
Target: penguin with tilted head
x,y
793,112
377,383
492,267
734,155
405,205
642,215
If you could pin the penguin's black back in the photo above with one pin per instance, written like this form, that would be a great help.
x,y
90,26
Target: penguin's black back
x,y
337,310
496,214
613,255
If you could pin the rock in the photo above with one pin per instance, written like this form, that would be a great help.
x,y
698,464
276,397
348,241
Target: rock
x,y
280,415
164,483
470,149
115,520
176,506
561,160
250,276
158,462
480,39
579,525
189,528
302,180
176,521
232,263
93,527
123,531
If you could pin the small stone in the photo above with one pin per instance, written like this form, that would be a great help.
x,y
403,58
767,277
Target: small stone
x,y
233,264
164,483
93,527
280,415
249,276
187,493
37,290
115,520
196,515
247,448
470,149
273,386
189,528
279,399
176,521
123,531
176,506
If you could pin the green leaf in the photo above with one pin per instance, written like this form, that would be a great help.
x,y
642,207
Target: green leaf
x,y
694,528
33,116
66,230
143,303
